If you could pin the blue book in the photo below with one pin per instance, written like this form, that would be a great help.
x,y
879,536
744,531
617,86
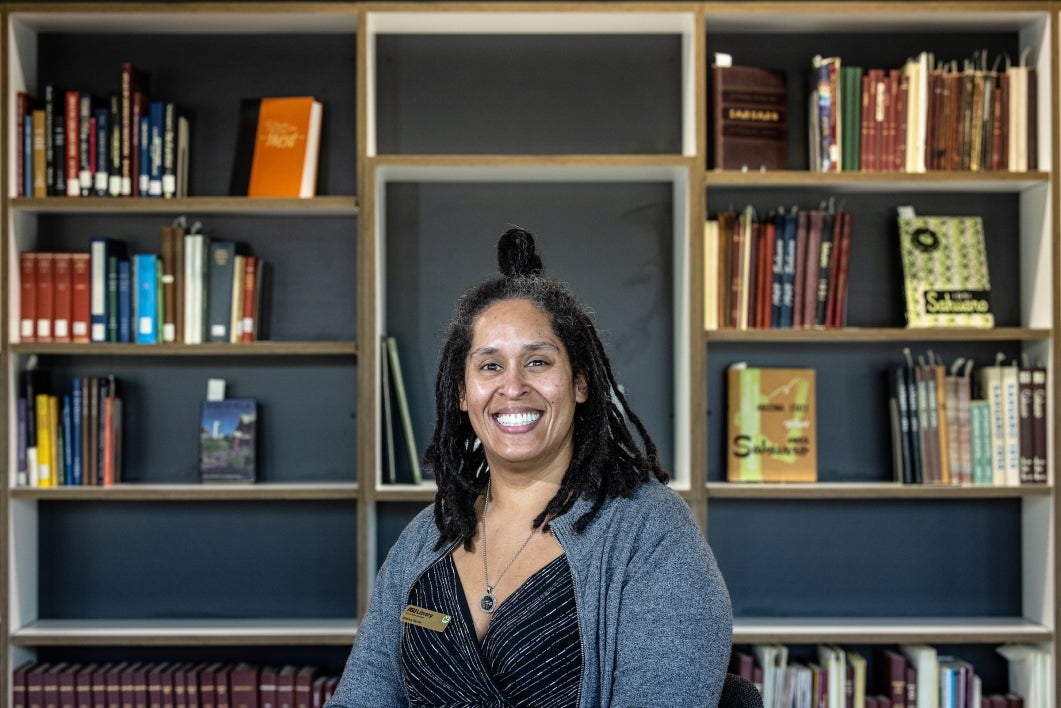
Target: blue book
x,y
68,434
777,268
75,446
125,302
146,298
101,183
157,114
788,272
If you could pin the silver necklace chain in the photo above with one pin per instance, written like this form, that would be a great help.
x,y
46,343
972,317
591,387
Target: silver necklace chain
x,y
488,603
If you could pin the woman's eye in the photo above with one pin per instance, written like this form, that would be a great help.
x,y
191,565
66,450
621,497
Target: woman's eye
x,y
537,362
490,367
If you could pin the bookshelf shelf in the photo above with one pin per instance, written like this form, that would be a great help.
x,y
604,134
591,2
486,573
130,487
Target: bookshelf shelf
x,y
193,492
879,334
187,632
875,182
859,490
889,630
214,349
316,206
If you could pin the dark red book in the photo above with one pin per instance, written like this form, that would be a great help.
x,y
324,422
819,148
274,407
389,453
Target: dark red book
x,y
35,685
19,677
64,303
133,81
243,681
80,292
45,296
98,680
267,687
911,686
741,663
180,692
892,676
154,684
333,681
750,118
304,686
27,328
223,686
165,677
320,688
836,299
67,686
50,687
192,688
285,687
207,687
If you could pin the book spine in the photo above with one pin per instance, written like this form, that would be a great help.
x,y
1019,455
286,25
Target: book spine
x,y
27,296
146,298
21,467
248,331
1040,467
80,296
1011,422
86,136
72,139
125,302
101,175
221,271
63,293
45,263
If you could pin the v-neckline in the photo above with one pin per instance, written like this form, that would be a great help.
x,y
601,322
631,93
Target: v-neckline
x,y
466,609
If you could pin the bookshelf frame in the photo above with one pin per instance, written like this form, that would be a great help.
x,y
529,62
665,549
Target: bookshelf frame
x,y
686,169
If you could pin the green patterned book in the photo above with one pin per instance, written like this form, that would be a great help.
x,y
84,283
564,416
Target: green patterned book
x,y
945,271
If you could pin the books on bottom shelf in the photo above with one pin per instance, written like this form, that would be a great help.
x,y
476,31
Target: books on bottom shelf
x,y
966,425
208,683
397,419
771,425
910,675
68,437
192,290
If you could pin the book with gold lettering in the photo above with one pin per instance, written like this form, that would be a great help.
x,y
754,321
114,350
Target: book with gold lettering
x,y
771,426
286,146
749,118
945,273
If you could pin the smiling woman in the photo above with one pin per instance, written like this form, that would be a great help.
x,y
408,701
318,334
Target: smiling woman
x,y
553,542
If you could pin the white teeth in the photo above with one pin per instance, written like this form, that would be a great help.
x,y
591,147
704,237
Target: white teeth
x,y
516,419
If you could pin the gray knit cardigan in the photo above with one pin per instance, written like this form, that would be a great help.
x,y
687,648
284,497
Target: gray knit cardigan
x,y
653,611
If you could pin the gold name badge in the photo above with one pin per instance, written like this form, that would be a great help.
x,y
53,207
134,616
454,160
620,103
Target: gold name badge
x,y
425,618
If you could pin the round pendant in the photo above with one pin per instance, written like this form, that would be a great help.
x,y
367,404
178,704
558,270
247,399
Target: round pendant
x,y
487,602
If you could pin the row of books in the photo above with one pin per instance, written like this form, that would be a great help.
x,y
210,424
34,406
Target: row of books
x,y
961,426
195,290
169,685
906,676
75,144
787,269
925,115
396,418
68,438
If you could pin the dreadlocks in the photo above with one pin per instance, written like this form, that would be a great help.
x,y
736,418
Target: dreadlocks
x,y
606,461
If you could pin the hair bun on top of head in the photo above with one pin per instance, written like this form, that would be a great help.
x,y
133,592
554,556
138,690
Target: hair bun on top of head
x,y
516,254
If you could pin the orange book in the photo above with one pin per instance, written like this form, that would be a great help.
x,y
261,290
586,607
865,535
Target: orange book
x,y
80,289
45,296
28,305
62,294
286,146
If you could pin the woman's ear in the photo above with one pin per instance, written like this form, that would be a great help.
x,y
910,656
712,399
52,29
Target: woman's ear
x,y
461,399
581,387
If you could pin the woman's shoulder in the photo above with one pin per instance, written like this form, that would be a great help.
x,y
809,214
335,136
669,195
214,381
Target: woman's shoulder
x,y
418,537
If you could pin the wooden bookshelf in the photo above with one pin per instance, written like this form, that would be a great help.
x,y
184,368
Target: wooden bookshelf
x,y
612,168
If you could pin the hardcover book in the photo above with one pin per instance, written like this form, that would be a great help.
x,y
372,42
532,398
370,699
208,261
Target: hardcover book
x,y
750,118
227,437
945,278
286,147
771,425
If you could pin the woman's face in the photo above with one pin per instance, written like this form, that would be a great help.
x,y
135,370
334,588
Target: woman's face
x,y
519,390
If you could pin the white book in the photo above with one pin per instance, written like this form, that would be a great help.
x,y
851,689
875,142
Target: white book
x,y
1011,425
924,658
990,381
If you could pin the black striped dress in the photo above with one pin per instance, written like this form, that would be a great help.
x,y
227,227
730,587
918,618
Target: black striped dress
x,y
531,654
